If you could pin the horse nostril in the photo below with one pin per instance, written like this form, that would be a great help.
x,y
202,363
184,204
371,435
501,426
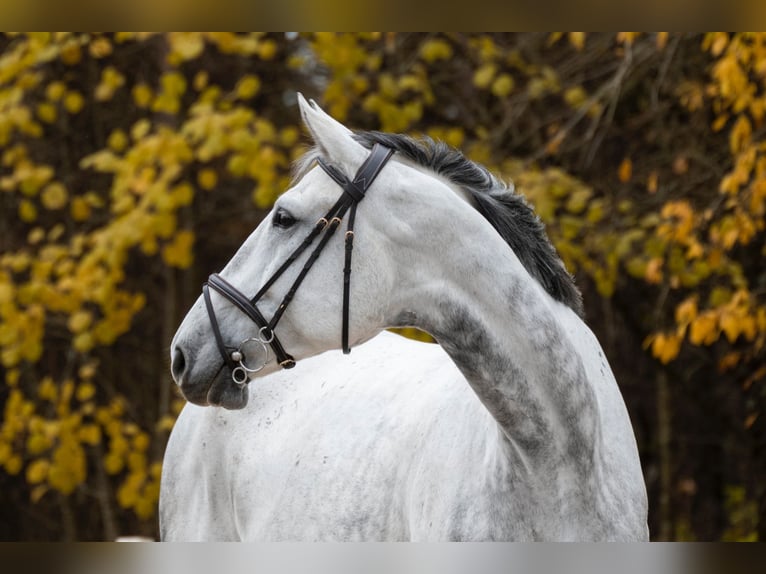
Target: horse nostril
x,y
178,364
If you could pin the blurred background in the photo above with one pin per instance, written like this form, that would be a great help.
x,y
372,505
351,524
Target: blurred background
x,y
133,165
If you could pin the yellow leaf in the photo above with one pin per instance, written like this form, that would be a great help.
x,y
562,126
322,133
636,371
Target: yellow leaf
x,y
55,91
695,250
749,327
578,200
182,194
142,95
37,444
83,342
136,460
179,252
651,182
47,391
627,38
113,463
730,325
13,465
207,179
127,495
144,508
729,361
90,434
12,375
267,49
37,493
88,370
577,39
173,83
537,88
720,122
666,346
200,80
79,209
554,37
166,423
85,391
653,272
56,232
118,140
165,224
140,129
27,211
704,329
433,50
680,165
36,236
686,312
575,96
187,45
37,471
46,112
484,75
71,53
625,171
502,86
288,136
79,321
73,102
101,47
111,80
62,478
720,43
248,87
740,135
141,442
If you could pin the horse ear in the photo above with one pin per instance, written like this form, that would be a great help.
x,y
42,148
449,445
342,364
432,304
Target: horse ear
x,y
334,139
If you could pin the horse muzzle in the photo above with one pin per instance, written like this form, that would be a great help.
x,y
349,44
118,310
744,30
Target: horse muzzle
x,y
216,389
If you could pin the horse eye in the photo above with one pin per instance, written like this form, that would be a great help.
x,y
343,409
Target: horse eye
x,y
283,219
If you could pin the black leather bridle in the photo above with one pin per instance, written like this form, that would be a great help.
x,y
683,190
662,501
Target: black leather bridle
x,y
235,357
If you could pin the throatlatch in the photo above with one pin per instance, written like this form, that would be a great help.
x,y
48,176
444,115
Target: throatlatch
x,y
252,354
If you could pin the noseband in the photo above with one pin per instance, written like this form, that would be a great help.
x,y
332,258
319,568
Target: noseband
x,y
236,358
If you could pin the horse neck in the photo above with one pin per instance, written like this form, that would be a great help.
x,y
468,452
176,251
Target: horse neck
x,y
512,342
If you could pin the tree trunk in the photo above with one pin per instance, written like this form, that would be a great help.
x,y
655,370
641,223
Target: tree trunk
x,y
664,433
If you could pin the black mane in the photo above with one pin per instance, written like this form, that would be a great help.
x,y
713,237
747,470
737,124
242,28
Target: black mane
x,y
507,211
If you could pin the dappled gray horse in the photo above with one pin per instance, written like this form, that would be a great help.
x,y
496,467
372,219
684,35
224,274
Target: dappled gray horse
x,y
512,428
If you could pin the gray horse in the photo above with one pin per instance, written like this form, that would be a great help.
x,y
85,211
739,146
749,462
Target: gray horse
x,y
512,428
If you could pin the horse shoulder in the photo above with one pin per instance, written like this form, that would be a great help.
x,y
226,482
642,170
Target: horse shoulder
x,y
622,489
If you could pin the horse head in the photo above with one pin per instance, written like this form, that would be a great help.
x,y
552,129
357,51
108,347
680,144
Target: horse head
x,y
282,297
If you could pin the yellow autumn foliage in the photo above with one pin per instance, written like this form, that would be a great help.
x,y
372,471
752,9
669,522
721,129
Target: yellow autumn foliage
x,y
666,346
75,274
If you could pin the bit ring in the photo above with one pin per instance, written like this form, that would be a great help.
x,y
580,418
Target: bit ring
x,y
260,335
239,376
